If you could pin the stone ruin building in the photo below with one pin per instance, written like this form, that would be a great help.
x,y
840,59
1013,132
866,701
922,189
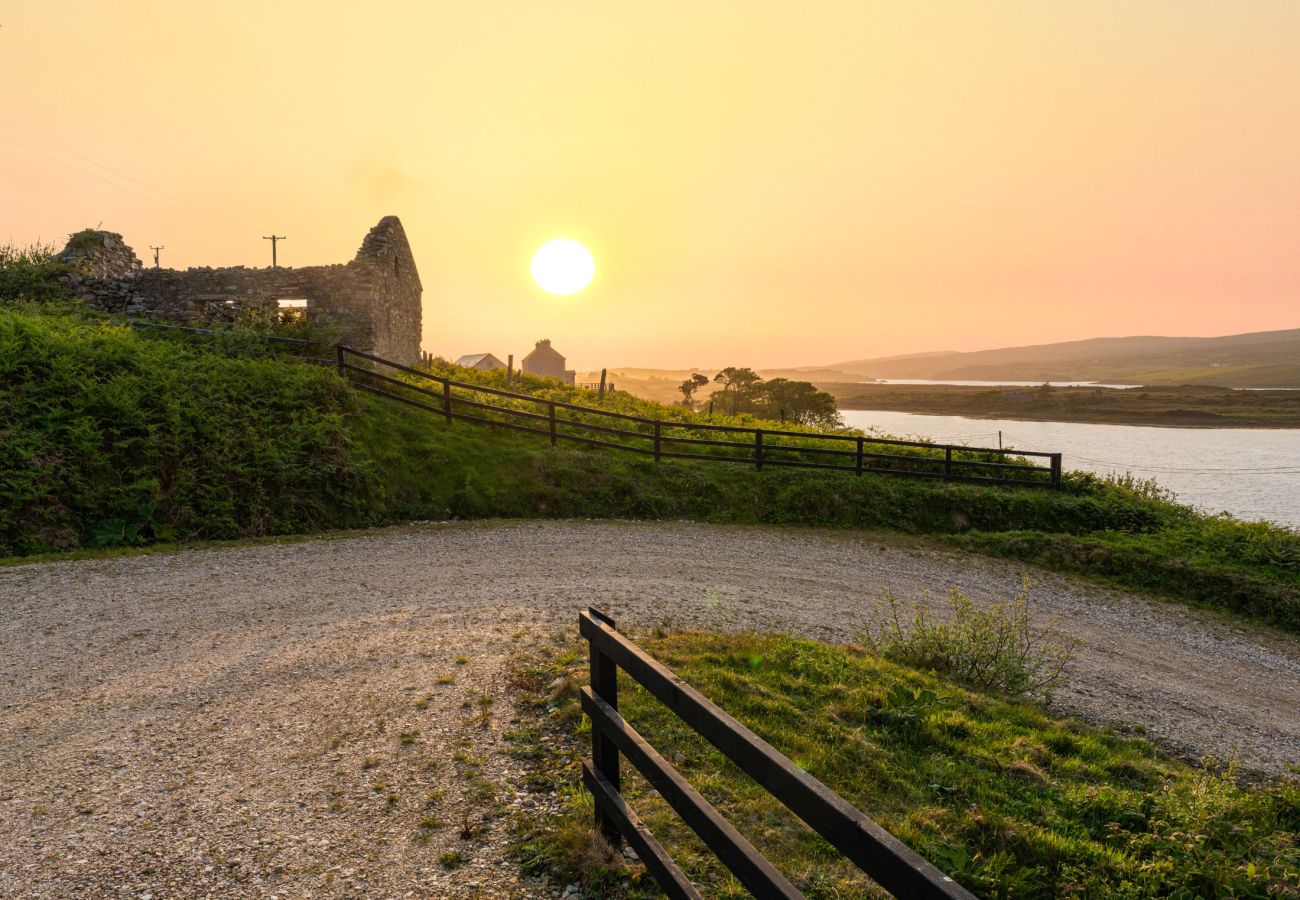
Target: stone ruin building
x,y
374,300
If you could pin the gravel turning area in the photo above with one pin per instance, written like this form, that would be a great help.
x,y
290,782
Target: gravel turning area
x,y
324,718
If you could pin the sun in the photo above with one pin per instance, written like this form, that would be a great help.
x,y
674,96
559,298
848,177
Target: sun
x,y
563,266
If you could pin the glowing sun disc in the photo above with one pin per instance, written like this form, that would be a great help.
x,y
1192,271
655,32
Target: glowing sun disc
x,y
563,266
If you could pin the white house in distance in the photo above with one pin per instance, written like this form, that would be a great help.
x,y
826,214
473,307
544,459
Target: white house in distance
x,y
546,361
485,362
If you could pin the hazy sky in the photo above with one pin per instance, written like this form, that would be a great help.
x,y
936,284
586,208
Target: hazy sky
x,y
761,183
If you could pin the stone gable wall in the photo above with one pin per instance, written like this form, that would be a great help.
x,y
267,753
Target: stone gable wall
x,y
374,300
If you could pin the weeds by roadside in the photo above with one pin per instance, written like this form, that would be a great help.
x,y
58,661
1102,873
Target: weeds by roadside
x,y
999,647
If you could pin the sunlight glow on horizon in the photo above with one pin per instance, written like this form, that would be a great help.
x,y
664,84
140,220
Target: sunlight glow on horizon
x,y
763,183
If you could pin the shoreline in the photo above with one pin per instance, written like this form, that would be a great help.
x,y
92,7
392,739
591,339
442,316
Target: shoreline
x,y
1186,406
1148,422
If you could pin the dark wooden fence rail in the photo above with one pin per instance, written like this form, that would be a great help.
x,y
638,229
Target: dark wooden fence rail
x,y
661,439
887,860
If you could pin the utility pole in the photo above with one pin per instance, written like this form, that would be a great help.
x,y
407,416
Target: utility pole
x,y
274,239
155,254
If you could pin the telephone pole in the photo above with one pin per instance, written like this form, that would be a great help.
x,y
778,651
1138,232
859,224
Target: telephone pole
x,y
274,239
155,254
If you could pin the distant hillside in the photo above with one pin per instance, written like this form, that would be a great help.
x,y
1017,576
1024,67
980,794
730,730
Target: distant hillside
x,y
1262,359
1258,359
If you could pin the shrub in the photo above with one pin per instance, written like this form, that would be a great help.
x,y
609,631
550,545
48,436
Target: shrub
x,y
996,648
111,438
30,273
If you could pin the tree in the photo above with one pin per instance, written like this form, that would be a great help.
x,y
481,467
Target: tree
x,y
798,401
740,387
690,386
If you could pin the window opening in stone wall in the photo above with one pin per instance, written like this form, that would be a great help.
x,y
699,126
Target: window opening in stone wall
x,y
292,309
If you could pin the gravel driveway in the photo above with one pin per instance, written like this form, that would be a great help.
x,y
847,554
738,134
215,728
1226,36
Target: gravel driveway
x,y
325,718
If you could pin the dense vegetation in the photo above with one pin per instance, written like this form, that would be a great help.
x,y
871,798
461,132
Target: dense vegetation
x,y
116,437
1007,799
112,438
29,273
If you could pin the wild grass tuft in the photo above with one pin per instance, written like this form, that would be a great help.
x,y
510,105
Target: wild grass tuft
x,y
998,647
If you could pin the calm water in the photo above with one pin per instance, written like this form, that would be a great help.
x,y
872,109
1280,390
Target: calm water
x,y
1121,387
1253,473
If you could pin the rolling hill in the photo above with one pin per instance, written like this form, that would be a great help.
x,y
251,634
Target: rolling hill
x,y
1257,359
1262,359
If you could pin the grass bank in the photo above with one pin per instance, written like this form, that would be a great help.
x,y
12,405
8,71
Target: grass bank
x,y
1007,799
116,438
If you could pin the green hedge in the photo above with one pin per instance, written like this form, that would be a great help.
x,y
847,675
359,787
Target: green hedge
x,y
114,438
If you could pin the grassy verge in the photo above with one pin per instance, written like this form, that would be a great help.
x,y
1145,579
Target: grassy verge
x,y
113,438
1009,800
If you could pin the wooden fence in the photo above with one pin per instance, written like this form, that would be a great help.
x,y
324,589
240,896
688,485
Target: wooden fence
x,y
887,860
663,439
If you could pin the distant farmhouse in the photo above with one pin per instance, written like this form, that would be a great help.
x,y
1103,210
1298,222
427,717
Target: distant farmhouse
x,y
484,362
546,361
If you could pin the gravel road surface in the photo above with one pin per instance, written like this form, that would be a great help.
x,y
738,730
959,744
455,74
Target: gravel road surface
x,y
325,718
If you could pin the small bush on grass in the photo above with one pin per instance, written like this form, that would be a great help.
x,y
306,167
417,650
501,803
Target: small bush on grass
x,y
996,648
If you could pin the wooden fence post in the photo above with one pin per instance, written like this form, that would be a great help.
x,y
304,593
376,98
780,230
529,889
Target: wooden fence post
x,y
758,449
947,462
859,460
551,405
604,753
601,397
339,350
657,440
510,369
446,400
1056,470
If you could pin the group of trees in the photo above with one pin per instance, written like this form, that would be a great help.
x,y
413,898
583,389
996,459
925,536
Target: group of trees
x,y
743,390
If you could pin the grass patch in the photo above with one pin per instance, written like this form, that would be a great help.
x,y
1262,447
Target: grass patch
x,y
1009,800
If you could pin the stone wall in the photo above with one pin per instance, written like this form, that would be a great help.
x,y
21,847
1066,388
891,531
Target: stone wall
x,y
374,300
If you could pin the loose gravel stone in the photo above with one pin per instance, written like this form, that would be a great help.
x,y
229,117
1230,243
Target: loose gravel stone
x,y
326,718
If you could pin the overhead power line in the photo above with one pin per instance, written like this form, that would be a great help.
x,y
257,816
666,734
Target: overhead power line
x,y
188,207
120,187
98,164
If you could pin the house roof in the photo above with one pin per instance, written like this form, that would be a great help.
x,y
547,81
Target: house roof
x,y
544,349
474,359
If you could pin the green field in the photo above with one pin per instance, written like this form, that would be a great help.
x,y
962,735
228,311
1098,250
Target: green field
x,y
1009,800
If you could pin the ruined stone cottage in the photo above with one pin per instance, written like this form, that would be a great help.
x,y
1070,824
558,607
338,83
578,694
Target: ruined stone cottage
x,y
374,300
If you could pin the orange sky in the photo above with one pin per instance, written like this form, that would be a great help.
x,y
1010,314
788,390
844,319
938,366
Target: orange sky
x,y
761,183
